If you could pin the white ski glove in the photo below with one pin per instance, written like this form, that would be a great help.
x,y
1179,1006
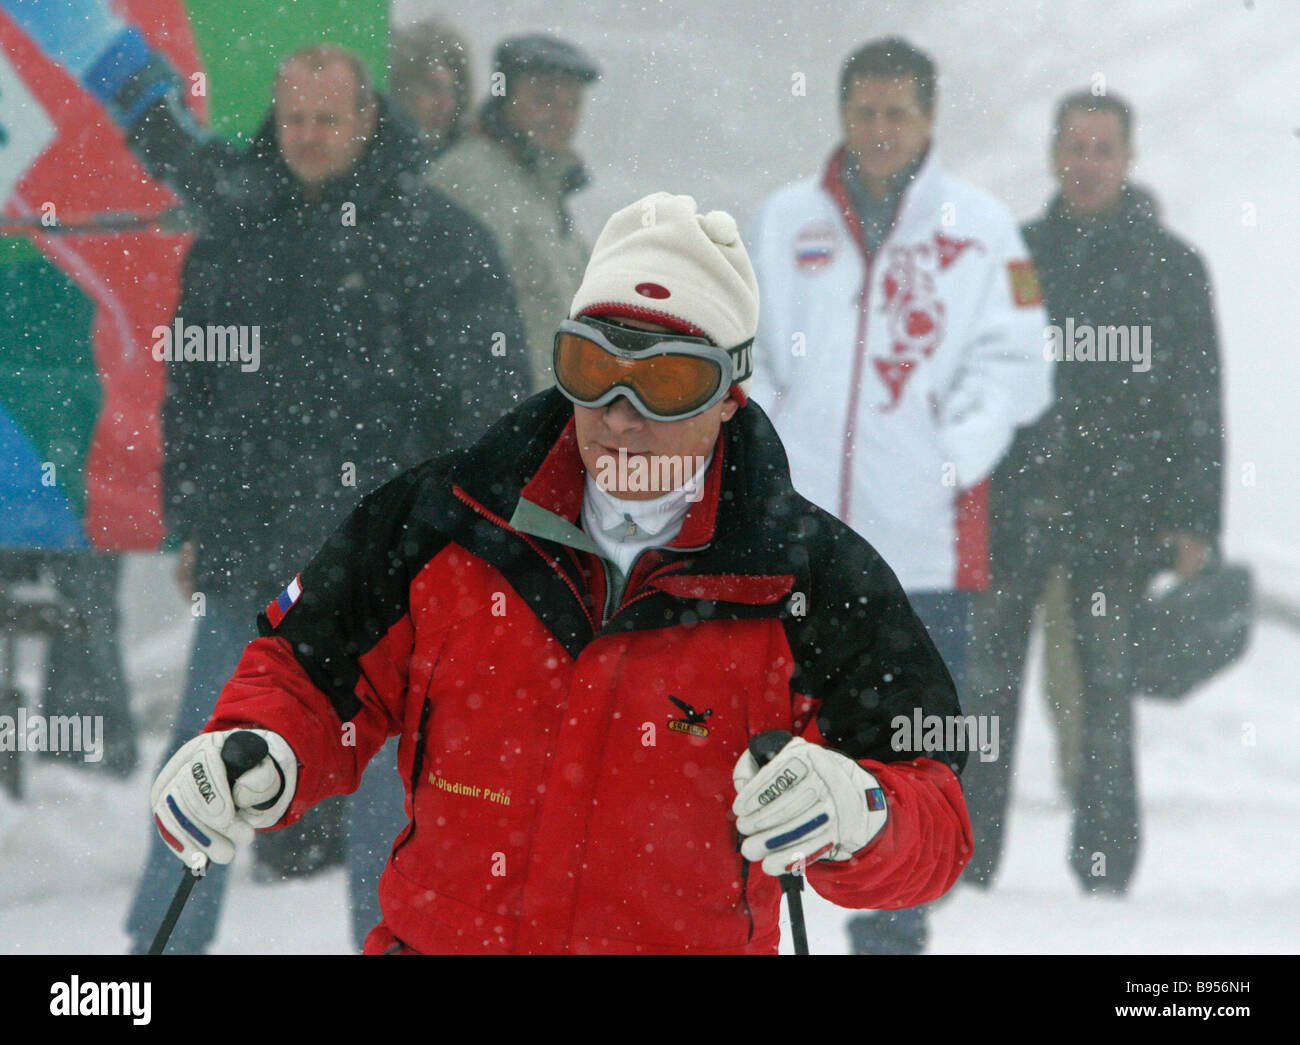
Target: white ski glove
x,y
218,788
808,803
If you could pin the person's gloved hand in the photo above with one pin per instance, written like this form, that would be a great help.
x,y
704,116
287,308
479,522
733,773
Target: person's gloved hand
x,y
218,788
808,803
74,33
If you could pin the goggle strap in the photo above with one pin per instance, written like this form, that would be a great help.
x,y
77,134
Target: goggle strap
x,y
742,361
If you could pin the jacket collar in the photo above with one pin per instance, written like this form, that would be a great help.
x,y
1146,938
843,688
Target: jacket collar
x,y
550,504
918,203
527,470
571,174
1136,215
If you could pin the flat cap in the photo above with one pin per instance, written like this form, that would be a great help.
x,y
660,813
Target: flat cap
x,y
541,52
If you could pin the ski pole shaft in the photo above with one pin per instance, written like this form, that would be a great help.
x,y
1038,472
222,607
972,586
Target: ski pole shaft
x,y
174,911
764,747
792,886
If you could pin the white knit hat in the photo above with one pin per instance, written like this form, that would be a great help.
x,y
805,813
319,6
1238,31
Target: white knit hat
x,y
662,261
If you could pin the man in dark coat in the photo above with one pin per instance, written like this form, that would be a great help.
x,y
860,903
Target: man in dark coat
x,y
375,327
378,307
1120,481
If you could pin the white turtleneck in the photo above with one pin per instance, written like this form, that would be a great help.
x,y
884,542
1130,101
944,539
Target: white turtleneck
x,y
623,529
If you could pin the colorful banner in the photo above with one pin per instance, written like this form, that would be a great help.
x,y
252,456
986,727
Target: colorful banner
x,y
80,438
70,166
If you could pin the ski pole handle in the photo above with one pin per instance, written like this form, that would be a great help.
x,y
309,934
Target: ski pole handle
x,y
240,753
767,745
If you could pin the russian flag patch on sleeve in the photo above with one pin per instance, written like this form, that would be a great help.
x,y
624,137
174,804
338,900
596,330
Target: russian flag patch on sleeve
x,y
284,602
1025,288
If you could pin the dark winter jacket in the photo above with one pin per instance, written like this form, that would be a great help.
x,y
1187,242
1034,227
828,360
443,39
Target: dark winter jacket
x,y
557,802
1125,454
382,311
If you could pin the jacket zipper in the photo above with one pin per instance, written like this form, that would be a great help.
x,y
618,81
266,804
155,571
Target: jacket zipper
x,y
855,385
744,887
417,766
605,611
498,521
853,221
646,591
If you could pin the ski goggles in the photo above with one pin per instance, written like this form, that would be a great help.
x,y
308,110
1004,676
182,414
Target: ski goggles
x,y
667,377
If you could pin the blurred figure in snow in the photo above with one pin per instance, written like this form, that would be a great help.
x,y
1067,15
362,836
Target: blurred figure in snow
x,y
429,78
1120,481
360,281
516,174
901,346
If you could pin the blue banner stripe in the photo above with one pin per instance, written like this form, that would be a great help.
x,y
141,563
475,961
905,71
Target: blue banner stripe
x,y
31,513
181,819
781,841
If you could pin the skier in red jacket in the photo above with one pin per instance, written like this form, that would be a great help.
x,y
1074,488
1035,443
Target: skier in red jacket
x,y
576,626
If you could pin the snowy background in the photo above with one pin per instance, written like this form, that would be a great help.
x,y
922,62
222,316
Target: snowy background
x,y
697,98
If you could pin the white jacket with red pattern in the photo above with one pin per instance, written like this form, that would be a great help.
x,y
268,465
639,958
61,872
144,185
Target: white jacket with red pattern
x,y
897,380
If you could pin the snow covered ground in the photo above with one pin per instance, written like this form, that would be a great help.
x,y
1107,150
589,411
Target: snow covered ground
x,y
697,98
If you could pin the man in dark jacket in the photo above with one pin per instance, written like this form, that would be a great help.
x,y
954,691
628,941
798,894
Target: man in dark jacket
x,y
384,319
1120,481
576,626
375,327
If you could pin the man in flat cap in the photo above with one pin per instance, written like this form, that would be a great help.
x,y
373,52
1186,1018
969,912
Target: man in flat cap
x,y
516,173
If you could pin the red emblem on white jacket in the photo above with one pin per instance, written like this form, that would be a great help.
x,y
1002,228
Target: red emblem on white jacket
x,y
916,315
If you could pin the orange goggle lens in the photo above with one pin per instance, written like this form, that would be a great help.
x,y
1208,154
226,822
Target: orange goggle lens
x,y
667,384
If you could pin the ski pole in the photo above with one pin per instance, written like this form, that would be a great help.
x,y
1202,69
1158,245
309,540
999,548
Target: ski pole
x,y
240,753
164,933
764,747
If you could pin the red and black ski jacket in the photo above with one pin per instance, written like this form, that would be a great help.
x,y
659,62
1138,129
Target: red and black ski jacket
x,y
560,798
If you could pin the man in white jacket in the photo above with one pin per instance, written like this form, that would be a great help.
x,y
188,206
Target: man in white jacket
x,y
901,338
